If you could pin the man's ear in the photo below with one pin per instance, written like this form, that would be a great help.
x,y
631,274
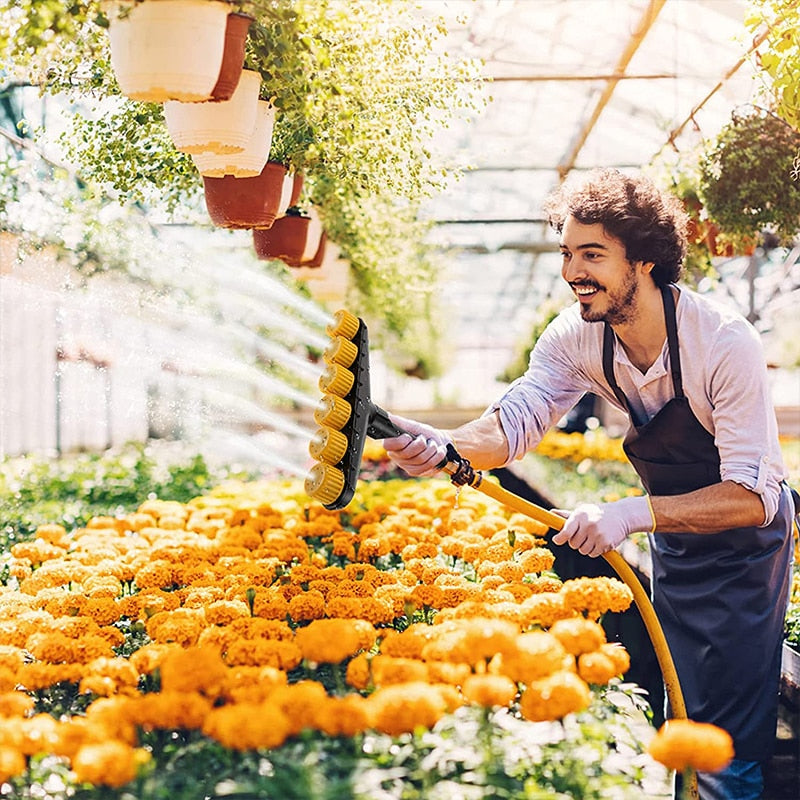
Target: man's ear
x,y
647,267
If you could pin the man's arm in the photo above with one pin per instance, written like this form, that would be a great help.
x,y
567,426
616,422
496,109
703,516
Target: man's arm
x,y
482,441
711,509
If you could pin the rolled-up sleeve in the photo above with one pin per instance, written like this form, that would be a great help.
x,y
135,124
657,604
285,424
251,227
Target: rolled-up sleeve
x,y
745,426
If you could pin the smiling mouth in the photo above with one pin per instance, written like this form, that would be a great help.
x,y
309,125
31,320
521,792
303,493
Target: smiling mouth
x,y
585,292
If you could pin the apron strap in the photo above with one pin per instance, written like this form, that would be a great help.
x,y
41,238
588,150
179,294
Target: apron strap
x,y
672,344
672,339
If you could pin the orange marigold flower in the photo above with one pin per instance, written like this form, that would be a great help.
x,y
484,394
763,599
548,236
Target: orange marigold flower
x,y
344,716
447,672
248,727
390,669
544,609
194,669
223,612
578,635
11,657
33,677
155,575
108,763
307,606
112,675
149,657
252,684
470,641
519,590
596,596
262,652
168,710
300,702
489,690
426,596
270,604
12,763
358,673
15,704
682,743
596,668
403,707
328,641
534,655
537,559
554,697
619,655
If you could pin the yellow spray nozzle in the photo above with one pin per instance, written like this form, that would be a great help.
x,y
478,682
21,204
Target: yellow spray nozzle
x,y
336,380
344,324
340,351
328,445
332,411
324,482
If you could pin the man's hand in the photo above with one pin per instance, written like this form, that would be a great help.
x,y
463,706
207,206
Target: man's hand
x,y
594,529
419,451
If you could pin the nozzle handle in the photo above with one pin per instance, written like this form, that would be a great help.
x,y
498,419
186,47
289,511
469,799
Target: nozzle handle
x,y
380,426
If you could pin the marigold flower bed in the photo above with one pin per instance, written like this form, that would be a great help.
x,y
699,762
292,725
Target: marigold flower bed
x,y
252,643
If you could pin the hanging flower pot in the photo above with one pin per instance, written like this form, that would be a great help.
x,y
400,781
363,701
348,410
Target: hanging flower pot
x,y
245,202
167,49
286,239
236,30
223,127
294,238
250,161
315,262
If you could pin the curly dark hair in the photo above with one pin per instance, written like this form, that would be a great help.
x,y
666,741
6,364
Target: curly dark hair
x,y
650,223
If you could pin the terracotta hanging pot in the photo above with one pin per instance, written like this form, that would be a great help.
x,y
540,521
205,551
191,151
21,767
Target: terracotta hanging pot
x,y
316,260
236,29
250,161
245,202
167,49
285,240
295,239
216,127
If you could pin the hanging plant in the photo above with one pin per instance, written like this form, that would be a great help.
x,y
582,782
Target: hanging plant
x,y
749,180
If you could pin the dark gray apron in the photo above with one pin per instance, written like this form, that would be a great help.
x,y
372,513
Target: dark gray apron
x,y
720,598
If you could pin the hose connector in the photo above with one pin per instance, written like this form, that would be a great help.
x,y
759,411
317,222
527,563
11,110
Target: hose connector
x,y
459,469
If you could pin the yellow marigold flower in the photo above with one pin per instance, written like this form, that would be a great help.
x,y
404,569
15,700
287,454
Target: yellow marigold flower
x,y
107,676
596,668
489,690
509,571
252,684
537,559
168,710
596,596
682,743
257,628
344,716
578,635
36,551
270,604
182,626
532,655
11,657
103,610
262,652
619,655
8,679
358,673
248,727
15,704
39,734
307,606
12,763
423,596
223,612
391,669
194,669
395,596
527,524
519,590
544,609
328,641
403,707
447,672
108,763
344,607
110,717
470,641
544,583
156,575
33,677
149,657
300,702
407,643
102,586
53,533
554,697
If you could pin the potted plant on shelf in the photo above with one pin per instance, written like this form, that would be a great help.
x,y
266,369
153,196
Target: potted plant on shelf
x,y
749,180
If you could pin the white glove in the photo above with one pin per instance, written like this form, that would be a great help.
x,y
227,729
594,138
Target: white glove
x,y
594,529
419,451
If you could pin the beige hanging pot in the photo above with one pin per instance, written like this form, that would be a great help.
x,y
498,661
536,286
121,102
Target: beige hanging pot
x,y
251,160
167,49
216,127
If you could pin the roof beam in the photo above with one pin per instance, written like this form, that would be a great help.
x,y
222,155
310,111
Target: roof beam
x,y
634,42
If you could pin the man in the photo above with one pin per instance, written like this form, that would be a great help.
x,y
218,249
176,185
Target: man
x,y
703,438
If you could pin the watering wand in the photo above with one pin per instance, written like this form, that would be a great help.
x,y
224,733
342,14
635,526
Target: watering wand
x,y
346,416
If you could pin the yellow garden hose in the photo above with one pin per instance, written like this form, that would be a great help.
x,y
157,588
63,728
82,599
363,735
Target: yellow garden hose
x,y
621,567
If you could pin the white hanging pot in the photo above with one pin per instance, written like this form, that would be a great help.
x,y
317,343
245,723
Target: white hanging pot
x,y
251,160
167,49
224,127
